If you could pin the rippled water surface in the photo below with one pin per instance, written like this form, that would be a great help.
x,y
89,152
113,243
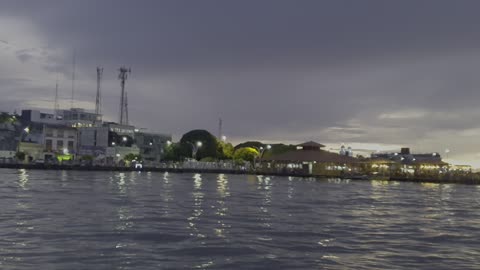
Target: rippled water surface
x,y
113,220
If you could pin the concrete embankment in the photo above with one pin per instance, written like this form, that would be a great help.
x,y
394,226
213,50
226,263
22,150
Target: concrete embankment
x,y
470,179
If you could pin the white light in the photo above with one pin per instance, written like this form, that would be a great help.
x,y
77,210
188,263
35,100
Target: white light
x,y
261,147
151,143
224,138
434,154
124,139
113,143
269,146
65,151
118,155
136,130
27,130
199,144
169,143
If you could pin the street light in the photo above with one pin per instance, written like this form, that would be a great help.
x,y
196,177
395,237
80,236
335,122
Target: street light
x,y
224,138
195,147
261,150
25,131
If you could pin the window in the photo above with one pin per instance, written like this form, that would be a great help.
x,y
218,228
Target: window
x,y
70,145
59,145
60,133
48,132
48,145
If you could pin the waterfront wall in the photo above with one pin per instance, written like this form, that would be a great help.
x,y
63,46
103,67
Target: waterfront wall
x,y
459,179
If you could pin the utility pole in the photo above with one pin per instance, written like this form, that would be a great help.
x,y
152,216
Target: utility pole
x,y
98,101
123,77
55,105
220,124
73,79
126,108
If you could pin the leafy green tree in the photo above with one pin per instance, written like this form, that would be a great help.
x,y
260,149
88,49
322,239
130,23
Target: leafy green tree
x,y
278,149
173,152
209,143
131,156
246,153
253,144
224,150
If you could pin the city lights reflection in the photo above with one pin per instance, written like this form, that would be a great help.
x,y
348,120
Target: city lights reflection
x,y
23,179
222,209
198,196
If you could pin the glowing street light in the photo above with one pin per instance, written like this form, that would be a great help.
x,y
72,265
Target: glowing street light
x,y
169,143
224,138
27,130
113,143
124,139
261,152
195,147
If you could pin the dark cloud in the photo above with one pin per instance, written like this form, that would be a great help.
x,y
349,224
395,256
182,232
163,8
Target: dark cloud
x,y
291,70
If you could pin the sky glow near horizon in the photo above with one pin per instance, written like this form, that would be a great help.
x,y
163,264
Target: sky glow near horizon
x,y
372,75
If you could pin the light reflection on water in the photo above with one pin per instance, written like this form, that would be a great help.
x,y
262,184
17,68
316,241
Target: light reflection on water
x,y
197,212
222,208
117,220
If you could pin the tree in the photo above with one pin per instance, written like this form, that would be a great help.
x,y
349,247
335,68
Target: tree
x,y
174,152
209,143
224,150
131,156
253,144
245,153
20,155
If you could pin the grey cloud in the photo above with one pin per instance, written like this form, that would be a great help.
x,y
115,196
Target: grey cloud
x,y
286,70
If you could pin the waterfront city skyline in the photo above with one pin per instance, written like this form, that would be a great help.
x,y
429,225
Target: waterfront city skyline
x,y
372,75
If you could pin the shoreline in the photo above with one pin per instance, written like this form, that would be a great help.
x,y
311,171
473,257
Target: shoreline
x,y
465,181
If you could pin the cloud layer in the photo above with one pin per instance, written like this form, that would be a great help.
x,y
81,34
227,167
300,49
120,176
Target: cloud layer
x,y
368,73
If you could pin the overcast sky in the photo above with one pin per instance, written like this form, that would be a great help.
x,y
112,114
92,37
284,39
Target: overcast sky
x,y
371,74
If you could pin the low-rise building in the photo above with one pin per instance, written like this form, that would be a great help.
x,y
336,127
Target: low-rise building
x,y
109,142
77,117
151,145
49,142
309,158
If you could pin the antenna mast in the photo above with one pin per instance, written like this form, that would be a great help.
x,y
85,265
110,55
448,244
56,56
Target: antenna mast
x,y
55,105
126,108
123,108
220,128
73,79
98,100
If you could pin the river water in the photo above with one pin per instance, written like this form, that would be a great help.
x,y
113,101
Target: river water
x,y
132,220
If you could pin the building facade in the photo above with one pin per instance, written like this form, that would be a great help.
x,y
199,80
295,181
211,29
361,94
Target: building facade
x,y
152,145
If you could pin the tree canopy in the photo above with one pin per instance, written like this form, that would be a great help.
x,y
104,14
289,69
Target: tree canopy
x,y
208,148
245,153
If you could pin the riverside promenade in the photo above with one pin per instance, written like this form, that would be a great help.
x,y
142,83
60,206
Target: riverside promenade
x,y
472,178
